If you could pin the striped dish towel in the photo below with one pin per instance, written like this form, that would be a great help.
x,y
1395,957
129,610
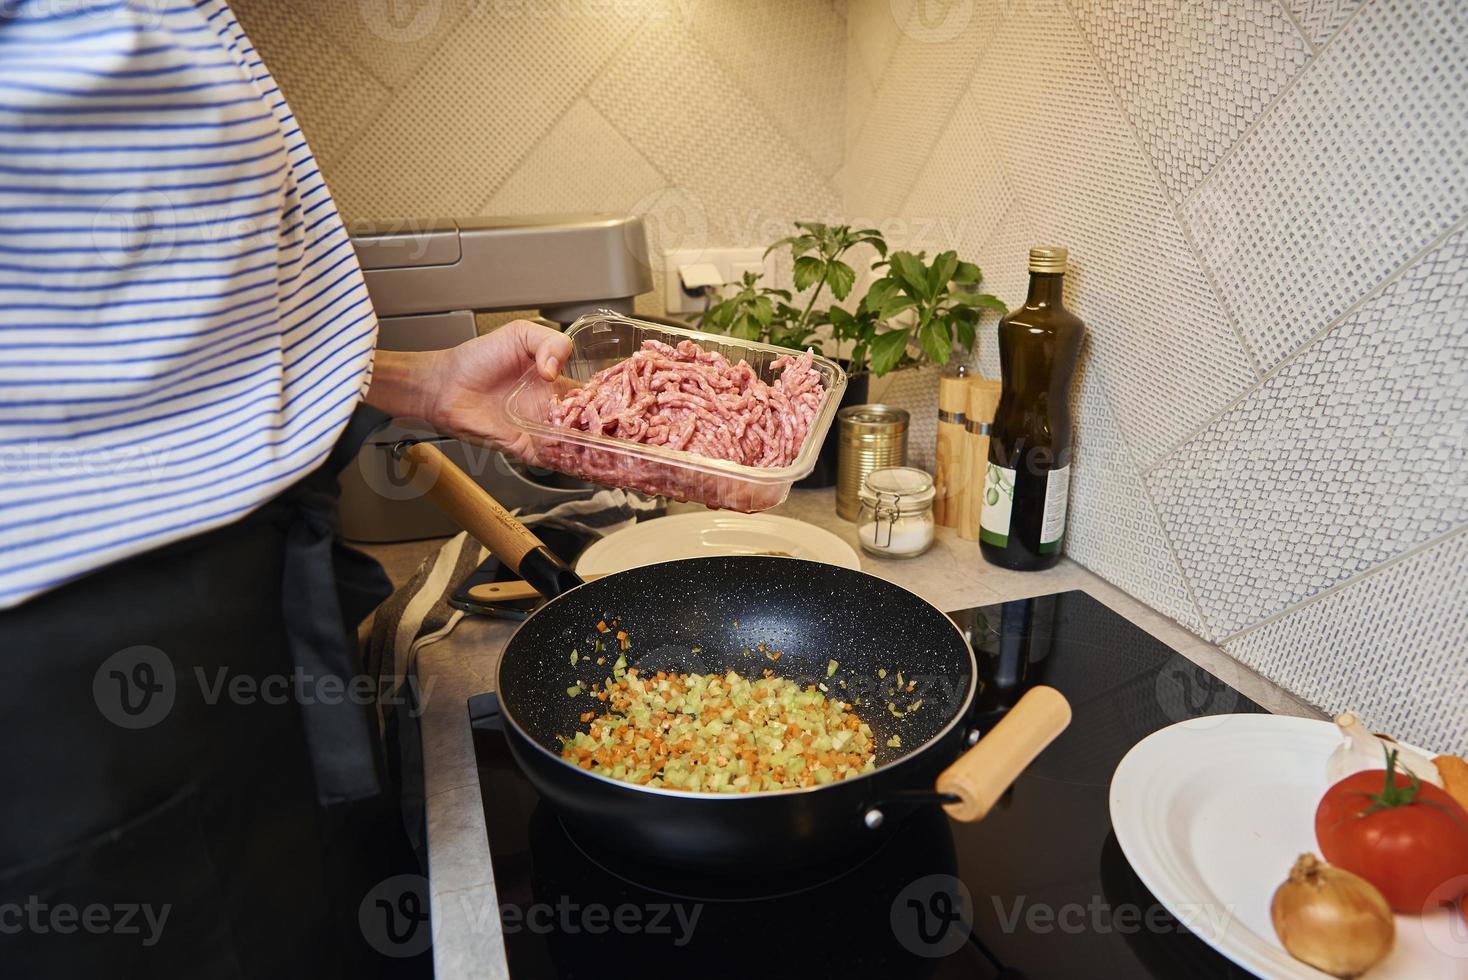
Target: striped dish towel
x,y
419,614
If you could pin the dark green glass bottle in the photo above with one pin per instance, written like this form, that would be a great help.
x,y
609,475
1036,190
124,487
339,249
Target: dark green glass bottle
x,y
1027,481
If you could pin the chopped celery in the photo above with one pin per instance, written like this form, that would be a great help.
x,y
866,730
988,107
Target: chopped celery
x,y
831,668
573,691
895,742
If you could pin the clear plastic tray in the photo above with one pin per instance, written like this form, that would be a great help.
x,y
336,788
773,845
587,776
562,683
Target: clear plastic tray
x,y
600,340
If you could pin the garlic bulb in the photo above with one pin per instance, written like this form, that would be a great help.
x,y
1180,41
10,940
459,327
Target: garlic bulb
x,y
1362,751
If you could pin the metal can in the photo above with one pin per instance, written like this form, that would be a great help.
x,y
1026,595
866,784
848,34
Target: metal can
x,y
869,437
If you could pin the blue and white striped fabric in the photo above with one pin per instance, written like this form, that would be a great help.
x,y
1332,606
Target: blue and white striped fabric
x,y
184,330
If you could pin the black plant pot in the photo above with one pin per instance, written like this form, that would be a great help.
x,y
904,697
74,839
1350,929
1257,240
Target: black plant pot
x,y
824,475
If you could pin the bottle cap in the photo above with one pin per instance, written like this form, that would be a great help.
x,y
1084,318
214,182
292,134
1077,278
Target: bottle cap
x,y
1048,258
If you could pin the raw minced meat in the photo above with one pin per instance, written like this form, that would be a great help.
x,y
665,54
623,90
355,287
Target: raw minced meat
x,y
695,400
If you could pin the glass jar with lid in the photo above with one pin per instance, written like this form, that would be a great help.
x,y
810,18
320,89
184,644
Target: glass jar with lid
x,y
896,519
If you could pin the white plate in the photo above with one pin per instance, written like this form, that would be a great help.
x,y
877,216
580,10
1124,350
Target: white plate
x,y
710,533
1212,812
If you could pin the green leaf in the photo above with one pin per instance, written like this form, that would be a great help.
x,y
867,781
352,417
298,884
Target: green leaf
x,y
967,274
897,304
808,271
941,272
840,277
858,357
762,310
911,273
983,300
878,294
887,350
746,327
966,332
936,341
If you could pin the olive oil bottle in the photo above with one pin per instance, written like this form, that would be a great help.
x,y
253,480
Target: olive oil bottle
x,y
1027,481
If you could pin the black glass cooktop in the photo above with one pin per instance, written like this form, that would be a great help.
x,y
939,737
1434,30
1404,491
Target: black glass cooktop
x,y
1038,889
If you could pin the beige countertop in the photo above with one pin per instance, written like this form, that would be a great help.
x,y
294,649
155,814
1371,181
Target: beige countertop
x,y
952,575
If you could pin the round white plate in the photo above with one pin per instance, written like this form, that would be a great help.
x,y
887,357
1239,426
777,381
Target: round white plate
x,y
1212,812
709,533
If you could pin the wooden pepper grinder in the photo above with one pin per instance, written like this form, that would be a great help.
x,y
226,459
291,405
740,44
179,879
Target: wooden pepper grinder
x,y
983,400
950,462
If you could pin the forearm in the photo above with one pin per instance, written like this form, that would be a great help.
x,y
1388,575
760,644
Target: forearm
x,y
404,383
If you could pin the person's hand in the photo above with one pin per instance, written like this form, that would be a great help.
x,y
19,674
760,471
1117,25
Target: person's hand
x,y
461,391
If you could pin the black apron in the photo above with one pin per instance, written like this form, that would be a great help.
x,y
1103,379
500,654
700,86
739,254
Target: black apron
x,y
189,779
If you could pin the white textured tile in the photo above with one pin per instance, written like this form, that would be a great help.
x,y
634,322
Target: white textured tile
x,y
1004,260
961,194
740,176
1392,647
564,173
1322,18
1354,452
392,39
1359,165
872,33
914,98
331,96
790,59
1113,527
1076,167
490,93
1192,76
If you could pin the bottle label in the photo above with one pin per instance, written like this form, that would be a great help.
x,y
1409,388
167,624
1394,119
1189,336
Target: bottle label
x,y
1057,496
998,503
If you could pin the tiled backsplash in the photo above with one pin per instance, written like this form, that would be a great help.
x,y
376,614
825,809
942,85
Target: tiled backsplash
x,y
1265,203
1266,213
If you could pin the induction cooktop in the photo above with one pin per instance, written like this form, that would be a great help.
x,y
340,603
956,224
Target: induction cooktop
x,y
1038,889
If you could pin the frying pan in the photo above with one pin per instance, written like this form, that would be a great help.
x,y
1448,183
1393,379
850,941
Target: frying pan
x,y
712,614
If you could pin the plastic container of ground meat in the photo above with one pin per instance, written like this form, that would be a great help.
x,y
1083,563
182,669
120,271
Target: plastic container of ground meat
x,y
602,339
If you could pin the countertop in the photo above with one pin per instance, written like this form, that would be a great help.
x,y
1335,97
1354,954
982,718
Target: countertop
x,y
467,941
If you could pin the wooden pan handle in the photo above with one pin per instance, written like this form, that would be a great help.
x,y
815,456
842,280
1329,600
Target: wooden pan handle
x,y
982,774
513,591
457,495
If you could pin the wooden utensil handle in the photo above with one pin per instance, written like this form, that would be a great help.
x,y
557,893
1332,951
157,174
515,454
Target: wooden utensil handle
x,y
512,591
457,495
982,774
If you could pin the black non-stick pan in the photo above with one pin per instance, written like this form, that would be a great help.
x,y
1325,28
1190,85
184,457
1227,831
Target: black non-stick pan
x,y
716,614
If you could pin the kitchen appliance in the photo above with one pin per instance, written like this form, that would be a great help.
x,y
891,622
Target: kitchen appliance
x,y
1050,895
712,615
427,280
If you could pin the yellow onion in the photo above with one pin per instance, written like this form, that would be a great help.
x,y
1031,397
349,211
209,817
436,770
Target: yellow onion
x,y
1332,919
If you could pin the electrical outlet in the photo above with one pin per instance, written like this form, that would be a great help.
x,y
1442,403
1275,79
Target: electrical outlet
x,y
732,263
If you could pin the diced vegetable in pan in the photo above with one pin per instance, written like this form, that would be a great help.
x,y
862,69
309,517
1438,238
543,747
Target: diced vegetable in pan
x,y
721,734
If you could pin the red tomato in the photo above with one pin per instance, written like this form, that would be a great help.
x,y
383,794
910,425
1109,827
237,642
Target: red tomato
x,y
1407,841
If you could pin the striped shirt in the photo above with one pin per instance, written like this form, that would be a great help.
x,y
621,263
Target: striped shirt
x,y
184,330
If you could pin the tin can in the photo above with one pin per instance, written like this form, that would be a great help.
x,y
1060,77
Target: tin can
x,y
869,437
